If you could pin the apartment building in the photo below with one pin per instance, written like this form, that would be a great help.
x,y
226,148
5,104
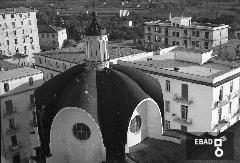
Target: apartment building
x,y
18,115
18,32
201,94
51,37
183,32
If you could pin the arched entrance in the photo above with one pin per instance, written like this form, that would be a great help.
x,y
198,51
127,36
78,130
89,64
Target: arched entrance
x,y
146,121
75,137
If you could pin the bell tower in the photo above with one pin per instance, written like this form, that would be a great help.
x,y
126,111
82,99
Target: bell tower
x,y
96,44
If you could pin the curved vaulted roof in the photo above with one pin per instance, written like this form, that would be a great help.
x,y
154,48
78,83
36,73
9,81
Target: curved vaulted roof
x,y
109,96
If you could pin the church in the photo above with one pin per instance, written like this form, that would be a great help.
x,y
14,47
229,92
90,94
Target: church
x,y
96,111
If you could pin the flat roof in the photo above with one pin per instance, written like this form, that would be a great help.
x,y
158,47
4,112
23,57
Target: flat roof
x,y
79,56
209,70
7,65
19,72
15,10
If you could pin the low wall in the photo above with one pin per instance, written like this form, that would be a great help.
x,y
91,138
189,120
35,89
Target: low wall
x,y
171,139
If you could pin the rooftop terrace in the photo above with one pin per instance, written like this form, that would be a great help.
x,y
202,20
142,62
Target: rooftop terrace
x,y
8,66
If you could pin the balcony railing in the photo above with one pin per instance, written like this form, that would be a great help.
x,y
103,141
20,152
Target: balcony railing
x,y
12,130
182,99
182,120
33,123
9,113
237,114
15,148
221,124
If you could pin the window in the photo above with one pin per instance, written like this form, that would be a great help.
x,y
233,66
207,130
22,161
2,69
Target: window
x,y
64,66
57,66
166,41
206,35
149,38
177,25
20,15
21,22
185,32
230,107
32,47
184,111
166,31
177,43
156,29
185,91
7,42
47,35
135,124
9,106
167,125
25,49
173,43
28,14
197,34
14,140
11,123
13,24
15,40
206,45
29,22
14,32
197,44
5,24
6,87
3,16
167,85
193,33
185,43
177,34
173,33
167,106
31,81
6,34
31,40
159,30
32,99
193,43
23,31
81,131
53,35
24,40
174,25
30,30
221,93
231,86
12,15
149,29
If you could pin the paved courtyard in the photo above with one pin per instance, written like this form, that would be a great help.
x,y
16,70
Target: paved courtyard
x,y
159,151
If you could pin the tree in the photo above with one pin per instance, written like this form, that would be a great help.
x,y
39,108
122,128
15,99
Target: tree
x,y
69,43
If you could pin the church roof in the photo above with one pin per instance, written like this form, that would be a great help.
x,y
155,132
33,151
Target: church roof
x,y
109,96
94,28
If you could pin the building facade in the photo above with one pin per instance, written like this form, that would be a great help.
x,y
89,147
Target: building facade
x,y
198,96
18,115
18,32
51,37
183,32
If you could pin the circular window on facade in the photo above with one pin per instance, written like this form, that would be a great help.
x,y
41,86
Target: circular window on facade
x,y
135,124
81,131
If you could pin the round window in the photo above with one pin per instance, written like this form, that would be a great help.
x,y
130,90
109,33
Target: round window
x,y
81,131
135,124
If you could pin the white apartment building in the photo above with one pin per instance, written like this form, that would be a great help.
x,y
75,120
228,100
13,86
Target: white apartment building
x,y
201,94
51,37
183,32
18,115
18,32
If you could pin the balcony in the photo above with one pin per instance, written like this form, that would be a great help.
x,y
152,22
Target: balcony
x,y
182,99
237,114
221,124
183,121
12,130
9,113
33,123
14,148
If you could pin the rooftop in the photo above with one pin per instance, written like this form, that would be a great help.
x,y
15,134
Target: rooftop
x,y
48,29
78,56
15,10
8,66
19,72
